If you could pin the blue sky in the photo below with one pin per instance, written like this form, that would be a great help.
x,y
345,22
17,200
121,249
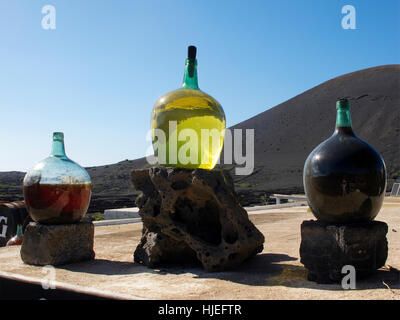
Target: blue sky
x,y
97,75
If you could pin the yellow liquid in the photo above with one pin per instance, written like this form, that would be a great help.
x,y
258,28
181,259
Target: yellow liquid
x,y
194,110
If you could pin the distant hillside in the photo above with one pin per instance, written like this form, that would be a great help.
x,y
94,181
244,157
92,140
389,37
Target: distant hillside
x,y
284,136
111,186
287,133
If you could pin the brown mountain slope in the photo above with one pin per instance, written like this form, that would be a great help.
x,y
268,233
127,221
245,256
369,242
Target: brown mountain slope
x,y
287,133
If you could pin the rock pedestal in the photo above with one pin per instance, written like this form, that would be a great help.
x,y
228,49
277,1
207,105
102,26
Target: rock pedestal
x,y
192,215
326,248
58,244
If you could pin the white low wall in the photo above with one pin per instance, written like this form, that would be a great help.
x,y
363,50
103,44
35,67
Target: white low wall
x,y
122,213
129,213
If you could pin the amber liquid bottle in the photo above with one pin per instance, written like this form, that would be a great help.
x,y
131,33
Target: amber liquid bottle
x,y
344,177
57,190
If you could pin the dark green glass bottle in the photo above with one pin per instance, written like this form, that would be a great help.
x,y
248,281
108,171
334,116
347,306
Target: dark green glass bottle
x,y
344,177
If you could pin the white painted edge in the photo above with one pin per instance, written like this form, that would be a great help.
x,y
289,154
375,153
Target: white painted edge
x,y
71,287
250,210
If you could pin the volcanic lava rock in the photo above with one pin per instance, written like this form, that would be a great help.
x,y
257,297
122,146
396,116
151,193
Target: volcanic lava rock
x,y
326,248
191,215
58,244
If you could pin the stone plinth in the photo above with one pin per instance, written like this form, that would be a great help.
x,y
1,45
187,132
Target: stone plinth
x,y
326,248
57,244
192,215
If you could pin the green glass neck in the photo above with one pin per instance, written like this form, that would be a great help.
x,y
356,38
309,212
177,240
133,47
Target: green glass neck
x,y
343,118
19,230
57,149
190,77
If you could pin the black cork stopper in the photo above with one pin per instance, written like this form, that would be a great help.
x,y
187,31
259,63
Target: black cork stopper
x,y
192,50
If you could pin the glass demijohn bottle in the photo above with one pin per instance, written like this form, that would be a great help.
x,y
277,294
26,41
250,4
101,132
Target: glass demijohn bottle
x,y
17,239
57,190
192,124
344,177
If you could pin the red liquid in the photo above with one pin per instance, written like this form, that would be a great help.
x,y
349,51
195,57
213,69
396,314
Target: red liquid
x,y
57,203
14,241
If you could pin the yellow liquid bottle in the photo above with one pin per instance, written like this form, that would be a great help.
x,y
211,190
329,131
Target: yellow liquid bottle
x,y
188,125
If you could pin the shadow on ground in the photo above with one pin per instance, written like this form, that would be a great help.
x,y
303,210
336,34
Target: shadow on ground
x,y
267,269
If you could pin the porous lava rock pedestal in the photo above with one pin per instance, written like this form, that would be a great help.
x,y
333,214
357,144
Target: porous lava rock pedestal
x,y
326,248
58,244
192,215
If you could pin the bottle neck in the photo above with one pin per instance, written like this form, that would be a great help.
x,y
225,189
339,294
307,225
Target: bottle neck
x,y
19,230
58,149
190,76
343,118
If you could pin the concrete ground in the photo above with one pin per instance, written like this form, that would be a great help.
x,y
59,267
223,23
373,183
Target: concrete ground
x,y
276,273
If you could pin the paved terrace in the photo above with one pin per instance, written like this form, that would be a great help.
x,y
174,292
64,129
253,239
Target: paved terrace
x,y
276,273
